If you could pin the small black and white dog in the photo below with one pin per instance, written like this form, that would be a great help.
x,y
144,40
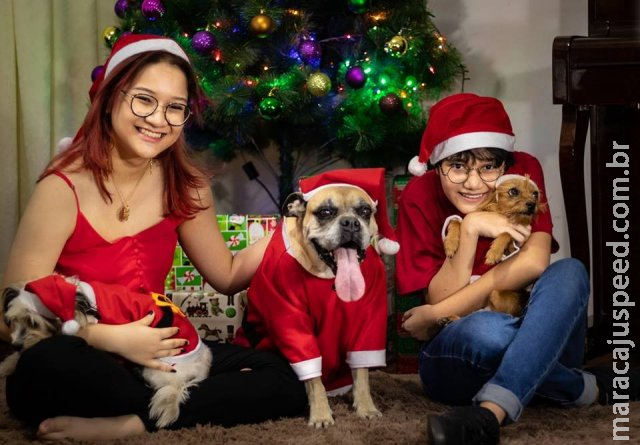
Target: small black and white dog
x,y
55,304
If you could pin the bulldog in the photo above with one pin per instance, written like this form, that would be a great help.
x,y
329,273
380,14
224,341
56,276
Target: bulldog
x,y
319,296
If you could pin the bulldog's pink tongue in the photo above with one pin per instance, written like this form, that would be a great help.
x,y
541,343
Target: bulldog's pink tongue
x,y
349,279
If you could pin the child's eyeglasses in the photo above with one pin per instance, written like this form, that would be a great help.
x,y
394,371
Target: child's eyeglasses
x,y
459,173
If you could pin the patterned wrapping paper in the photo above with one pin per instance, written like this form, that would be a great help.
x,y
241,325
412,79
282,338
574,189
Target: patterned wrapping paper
x,y
404,353
216,316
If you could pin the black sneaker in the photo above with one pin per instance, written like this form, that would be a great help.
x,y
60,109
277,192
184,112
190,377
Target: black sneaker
x,y
604,378
468,425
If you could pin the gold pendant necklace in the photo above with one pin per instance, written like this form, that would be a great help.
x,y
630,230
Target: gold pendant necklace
x,y
124,211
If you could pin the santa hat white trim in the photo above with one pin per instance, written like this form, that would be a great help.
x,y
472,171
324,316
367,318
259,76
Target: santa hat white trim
x,y
34,303
142,46
503,178
468,141
308,195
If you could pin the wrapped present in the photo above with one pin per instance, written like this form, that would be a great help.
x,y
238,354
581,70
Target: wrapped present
x,y
405,349
216,316
238,231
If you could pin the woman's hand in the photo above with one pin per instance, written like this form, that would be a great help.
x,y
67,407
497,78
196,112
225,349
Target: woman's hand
x,y
420,322
491,224
138,342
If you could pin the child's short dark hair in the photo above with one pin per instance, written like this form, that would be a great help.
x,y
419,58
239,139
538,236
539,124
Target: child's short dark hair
x,y
498,155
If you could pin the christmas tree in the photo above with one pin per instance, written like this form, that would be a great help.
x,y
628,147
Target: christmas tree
x,y
345,79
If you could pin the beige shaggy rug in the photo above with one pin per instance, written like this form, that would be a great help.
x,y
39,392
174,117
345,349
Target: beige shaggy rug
x,y
405,410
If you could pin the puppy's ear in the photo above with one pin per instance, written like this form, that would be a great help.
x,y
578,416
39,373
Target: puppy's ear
x,y
294,205
8,294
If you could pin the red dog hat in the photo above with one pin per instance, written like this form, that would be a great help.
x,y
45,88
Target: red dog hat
x,y
371,181
59,296
462,122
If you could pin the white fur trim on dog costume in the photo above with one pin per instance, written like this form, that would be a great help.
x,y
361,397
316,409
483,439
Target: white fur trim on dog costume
x,y
307,196
308,369
366,359
504,178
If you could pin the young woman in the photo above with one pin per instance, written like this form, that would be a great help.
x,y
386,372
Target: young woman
x,y
492,361
110,208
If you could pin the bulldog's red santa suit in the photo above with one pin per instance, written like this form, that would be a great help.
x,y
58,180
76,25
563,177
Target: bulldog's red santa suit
x,y
319,333
115,305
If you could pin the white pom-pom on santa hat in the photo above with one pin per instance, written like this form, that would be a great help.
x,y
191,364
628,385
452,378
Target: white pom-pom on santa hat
x,y
372,182
59,296
64,143
462,122
417,168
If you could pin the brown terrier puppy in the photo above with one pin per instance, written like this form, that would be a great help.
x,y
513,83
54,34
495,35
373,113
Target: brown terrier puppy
x,y
518,198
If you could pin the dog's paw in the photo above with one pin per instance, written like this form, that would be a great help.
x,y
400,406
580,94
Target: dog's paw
x,y
450,246
492,257
321,421
368,412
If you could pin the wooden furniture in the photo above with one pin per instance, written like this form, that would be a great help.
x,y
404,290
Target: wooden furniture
x,y
596,78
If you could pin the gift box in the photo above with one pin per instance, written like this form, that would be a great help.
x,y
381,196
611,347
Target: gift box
x,y
216,316
238,231
405,349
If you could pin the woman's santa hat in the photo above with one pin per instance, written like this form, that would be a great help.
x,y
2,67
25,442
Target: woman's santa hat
x,y
128,45
462,122
369,180
58,296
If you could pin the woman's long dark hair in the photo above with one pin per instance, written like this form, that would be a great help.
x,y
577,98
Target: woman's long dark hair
x,y
94,139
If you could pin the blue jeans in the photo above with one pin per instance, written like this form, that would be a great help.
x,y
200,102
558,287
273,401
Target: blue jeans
x,y
491,356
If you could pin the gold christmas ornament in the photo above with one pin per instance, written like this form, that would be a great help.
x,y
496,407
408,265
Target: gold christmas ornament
x,y
397,46
110,35
261,25
318,84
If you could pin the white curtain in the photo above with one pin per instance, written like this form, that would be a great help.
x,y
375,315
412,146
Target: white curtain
x,y
48,50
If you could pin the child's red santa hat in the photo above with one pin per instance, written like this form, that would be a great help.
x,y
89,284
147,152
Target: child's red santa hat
x,y
126,46
59,296
371,181
462,122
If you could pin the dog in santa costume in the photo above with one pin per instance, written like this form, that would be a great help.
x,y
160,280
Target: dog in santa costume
x,y
55,304
320,293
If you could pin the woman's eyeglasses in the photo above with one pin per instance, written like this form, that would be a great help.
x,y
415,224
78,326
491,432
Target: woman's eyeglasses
x,y
144,105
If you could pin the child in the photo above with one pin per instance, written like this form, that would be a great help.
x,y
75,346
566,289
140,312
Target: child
x,y
491,360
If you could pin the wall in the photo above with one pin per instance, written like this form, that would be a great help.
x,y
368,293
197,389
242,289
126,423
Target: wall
x,y
506,46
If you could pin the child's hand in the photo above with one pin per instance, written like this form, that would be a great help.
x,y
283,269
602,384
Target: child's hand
x,y
419,322
491,224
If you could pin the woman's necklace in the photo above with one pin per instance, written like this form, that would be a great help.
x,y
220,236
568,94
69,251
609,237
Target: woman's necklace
x,y
125,210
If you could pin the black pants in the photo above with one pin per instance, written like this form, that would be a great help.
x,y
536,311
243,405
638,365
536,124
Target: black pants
x,y
64,376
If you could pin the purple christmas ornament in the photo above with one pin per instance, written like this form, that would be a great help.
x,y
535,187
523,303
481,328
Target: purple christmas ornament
x,y
310,51
121,8
203,42
355,77
97,72
152,9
